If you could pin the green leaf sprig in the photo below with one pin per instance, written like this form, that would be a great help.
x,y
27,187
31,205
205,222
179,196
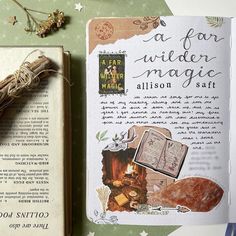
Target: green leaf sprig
x,y
101,136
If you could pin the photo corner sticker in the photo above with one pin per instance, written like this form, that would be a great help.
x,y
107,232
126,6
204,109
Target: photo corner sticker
x,y
111,73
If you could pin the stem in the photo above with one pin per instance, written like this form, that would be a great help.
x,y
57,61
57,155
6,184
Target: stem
x,y
32,18
19,4
26,11
41,12
37,19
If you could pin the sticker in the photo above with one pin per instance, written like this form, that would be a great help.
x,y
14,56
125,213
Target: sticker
x,y
111,73
104,30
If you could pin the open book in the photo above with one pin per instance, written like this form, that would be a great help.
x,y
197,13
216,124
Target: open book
x,y
160,153
34,148
160,120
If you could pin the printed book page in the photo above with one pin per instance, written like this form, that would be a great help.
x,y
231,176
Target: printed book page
x,y
175,154
32,151
170,74
151,148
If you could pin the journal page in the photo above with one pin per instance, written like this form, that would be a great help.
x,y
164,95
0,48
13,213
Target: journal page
x,y
232,204
152,75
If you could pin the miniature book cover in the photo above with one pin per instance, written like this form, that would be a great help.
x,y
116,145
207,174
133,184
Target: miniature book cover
x,y
111,74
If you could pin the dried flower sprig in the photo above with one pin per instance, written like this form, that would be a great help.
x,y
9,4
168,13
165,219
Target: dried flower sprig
x,y
42,28
103,195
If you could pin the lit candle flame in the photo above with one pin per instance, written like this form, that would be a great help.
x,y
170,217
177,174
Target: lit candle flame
x,y
130,169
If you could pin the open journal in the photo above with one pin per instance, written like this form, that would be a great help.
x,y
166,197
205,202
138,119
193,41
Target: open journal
x,y
34,153
160,120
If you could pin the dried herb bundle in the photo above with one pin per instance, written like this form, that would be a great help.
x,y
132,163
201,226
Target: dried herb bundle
x,y
27,77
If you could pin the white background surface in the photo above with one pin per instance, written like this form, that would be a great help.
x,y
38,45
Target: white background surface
x,y
202,7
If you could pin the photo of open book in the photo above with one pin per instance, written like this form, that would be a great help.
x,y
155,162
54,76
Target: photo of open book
x,y
161,153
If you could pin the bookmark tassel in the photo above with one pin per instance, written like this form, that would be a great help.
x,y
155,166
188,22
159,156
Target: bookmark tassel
x,y
231,229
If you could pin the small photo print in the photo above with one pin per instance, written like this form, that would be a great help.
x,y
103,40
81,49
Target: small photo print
x,y
111,73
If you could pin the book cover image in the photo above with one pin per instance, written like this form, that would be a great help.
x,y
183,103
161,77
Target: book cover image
x,y
111,73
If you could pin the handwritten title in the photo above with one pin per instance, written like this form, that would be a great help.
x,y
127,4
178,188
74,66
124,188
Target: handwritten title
x,y
189,72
